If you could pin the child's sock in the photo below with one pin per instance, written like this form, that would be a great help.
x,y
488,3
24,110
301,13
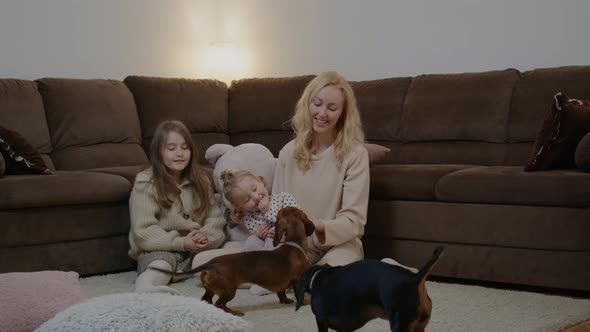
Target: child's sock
x,y
257,290
152,281
394,262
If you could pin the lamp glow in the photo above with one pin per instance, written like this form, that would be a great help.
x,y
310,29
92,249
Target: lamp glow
x,y
226,61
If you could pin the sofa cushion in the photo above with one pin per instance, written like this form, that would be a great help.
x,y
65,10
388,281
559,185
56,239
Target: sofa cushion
x,y
62,188
583,153
57,224
93,123
21,110
465,107
514,226
380,103
19,156
511,185
407,182
533,97
562,129
200,104
128,172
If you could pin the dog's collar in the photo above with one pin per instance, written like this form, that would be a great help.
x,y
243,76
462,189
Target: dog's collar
x,y
293,244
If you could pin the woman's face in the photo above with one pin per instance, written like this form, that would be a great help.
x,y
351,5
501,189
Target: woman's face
x,y
326,108
175,153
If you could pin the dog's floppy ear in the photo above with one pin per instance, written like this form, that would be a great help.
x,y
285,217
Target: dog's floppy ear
x,y
279,231
309,226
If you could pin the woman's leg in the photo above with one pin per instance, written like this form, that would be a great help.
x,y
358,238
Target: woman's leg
x,y
343,254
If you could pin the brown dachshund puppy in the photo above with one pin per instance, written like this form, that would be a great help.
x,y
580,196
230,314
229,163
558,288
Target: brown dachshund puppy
x,y
275,270
346,297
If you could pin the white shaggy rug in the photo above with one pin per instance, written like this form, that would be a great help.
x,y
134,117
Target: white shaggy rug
x,y
455,307
131,312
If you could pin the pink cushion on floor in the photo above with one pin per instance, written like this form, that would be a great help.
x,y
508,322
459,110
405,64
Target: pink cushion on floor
x,y
31,298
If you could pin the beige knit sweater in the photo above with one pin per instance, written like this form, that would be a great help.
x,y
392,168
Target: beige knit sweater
x,y
338,196
153,228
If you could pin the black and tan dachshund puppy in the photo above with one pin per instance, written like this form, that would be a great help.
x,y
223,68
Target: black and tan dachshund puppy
x,y
345,298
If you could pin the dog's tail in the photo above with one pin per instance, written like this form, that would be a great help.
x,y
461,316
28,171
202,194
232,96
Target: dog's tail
x,y
197,269
425,270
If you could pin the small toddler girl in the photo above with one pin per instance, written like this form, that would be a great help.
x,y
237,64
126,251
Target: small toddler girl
x,y
252,206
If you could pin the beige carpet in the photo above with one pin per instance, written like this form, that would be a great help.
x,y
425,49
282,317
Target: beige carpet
x,y
456,308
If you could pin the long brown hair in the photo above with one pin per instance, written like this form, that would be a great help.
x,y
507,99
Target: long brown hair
x,y
166,188
349,130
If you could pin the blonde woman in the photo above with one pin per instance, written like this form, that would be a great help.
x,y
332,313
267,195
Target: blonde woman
x,y
326,169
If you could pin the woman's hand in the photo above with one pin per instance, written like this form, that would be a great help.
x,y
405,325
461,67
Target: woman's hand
x,y
320,230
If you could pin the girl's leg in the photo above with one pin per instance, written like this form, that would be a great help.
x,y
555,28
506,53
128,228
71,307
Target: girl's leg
x,y
152,281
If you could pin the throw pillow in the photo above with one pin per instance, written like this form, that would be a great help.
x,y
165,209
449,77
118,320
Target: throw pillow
x,y
562,129
583,153
144,312
20,156
376,152
31,298
2,166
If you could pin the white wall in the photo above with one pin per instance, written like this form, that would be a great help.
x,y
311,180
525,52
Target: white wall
x,y
361,39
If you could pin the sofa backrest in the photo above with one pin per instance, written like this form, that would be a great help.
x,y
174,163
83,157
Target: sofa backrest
x,y
533,98
260,110
92,123
486,118
21,110
201,104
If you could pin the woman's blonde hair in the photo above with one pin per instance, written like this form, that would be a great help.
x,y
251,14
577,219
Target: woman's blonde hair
x,y
349,130
166,188
230,179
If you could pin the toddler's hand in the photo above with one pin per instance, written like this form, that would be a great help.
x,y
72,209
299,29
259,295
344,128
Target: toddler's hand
x,y
262,231
271,233
264,204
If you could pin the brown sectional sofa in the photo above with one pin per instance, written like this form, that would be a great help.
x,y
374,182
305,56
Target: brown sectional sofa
x,y
454,177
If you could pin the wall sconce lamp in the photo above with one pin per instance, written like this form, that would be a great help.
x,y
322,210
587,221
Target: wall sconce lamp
x,y
226,61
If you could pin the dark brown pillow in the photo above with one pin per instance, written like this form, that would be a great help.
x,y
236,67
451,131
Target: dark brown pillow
x,y
583,153
562,129
20,157
377,153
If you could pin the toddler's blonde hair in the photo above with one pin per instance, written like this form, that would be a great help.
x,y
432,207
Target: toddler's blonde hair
x,y
230,179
